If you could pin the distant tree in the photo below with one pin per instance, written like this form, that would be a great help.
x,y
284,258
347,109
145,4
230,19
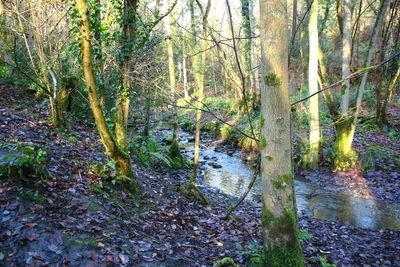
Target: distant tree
x,y
346,122
311,158
199,65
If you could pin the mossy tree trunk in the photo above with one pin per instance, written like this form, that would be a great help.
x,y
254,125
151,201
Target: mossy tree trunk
x,y
310,159
279,217
346,124
344,136
122,159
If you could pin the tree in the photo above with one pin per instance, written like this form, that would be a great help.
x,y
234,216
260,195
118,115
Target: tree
x,y
174,150
279,217
113,149
344,129
200,68
129,22
247,43
45,49
346,124
311,157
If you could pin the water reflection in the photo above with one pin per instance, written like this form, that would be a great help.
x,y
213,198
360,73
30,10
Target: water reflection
x,y
234,176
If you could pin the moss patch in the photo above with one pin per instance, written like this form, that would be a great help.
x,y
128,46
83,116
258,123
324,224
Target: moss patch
x,y
262,121
225,262
282,243
263,142
279,257
282,181
269,158
272,80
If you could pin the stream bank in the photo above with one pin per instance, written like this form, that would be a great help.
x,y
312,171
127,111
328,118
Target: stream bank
x,y
74,221
224,169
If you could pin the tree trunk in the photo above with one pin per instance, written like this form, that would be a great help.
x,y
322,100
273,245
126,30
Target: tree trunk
x,y
201,68
123,101
311,158
247,48
255,61
122,108
340,14
279,217
371,54
122,159
42,52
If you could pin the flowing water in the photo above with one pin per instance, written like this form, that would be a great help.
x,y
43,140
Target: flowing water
x,y
227,172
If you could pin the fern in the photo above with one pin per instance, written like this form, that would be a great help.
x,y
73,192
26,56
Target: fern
x,y
167,160
304,235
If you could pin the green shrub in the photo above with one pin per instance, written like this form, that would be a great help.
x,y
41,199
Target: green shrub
x,y
223,105
210,126
22,163
147,149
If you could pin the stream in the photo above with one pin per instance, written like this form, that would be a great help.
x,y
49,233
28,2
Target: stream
x,y
227,172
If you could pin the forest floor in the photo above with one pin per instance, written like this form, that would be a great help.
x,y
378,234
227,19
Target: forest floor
x,y
77,218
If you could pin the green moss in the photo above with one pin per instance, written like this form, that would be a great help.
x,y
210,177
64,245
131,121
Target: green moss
x,y
284,229
174,150
283,180
272,80
255,262
225,262
263,142
279,184
230,209
309,161
280,257
262,121
94,241
287,178
267,216
269,158
79,242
